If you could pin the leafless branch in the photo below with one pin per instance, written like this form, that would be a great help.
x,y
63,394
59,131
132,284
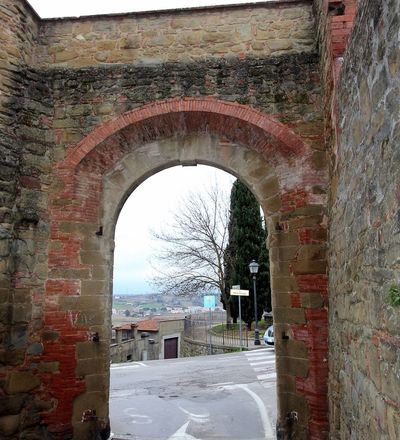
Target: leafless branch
x,y
192,257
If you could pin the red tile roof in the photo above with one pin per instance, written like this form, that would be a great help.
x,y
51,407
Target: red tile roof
x,y
129,326
150,325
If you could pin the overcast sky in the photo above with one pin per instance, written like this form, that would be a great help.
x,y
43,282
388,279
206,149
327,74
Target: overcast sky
x,y
151,207
72,8
153,202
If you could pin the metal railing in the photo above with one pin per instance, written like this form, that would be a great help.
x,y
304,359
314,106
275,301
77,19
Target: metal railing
x,y
211,328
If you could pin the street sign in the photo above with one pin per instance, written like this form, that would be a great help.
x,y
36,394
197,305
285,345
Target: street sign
x,y
209,301
238,292
236,287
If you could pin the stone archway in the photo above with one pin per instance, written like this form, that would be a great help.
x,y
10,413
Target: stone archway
x,y
90,187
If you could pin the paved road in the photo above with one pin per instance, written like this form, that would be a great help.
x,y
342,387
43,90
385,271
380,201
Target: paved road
x,y
229,396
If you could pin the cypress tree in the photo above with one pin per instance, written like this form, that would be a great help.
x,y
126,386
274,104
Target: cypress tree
x,y
247,242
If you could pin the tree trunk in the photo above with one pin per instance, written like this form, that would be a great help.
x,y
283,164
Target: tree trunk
x,y
228,313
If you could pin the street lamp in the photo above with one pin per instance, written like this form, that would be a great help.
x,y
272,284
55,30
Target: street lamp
x,y
253,266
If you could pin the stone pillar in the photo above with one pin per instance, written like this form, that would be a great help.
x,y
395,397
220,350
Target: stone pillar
x,y
19,217
297,243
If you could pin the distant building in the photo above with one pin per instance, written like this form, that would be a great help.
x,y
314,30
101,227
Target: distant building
x,y
149,339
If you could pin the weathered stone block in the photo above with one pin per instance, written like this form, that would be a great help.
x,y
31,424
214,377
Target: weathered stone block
x,y
11,405
21,382
311,300
91,287
284,284
282,300
90,349
90,319
96,382
293,402
49,367
291,348
9,424
93,258
22,313
286,384
280,44
89,366
309,267
289,315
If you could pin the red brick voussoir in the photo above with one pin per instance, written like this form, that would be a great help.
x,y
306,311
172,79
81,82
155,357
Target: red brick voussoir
x,y
291,142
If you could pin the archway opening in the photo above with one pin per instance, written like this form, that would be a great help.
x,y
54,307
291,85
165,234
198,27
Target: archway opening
x,y
146,326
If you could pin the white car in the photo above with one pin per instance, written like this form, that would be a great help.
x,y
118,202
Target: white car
x,y
269,336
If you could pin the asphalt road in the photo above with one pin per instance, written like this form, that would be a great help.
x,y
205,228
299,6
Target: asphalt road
x,y
230,396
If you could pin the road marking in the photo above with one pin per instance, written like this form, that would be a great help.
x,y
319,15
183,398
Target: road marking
x,y
121,367
231,356
261,358
253,364
269,435
266,376
220,384
266,355
257,352
181,434
199,418
138,419
269,361
266,368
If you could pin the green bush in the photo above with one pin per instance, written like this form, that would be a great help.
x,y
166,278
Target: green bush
x,y
393,296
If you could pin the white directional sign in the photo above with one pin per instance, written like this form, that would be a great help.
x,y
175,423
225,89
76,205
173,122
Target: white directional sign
x,y
238,292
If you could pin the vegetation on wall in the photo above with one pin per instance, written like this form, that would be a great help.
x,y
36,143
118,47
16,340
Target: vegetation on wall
x,y
393,296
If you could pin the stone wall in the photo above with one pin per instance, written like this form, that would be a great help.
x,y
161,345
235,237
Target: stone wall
x,y
275,29
334,23
130,350
195,348
83,133
365,232
25,116
285,87
14,53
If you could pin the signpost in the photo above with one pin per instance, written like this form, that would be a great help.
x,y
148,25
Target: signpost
x,y
209,303
235,291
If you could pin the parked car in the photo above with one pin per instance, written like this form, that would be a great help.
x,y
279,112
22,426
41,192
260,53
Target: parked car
x,y
269,336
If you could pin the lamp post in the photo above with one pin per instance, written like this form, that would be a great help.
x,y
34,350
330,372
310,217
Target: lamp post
x,y
253,266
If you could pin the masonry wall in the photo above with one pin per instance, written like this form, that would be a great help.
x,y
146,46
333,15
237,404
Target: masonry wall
x,y
130,350
14,54
364,364
62,79
286,87
191,348
334,24
25,114
260,30
132,347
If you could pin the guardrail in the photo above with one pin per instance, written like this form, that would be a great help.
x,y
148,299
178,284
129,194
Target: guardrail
x,y
211,328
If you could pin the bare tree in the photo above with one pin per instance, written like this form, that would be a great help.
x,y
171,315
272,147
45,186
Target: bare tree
x,y
192,256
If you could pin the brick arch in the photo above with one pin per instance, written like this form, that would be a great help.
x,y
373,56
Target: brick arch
x,y
103,168
285,139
